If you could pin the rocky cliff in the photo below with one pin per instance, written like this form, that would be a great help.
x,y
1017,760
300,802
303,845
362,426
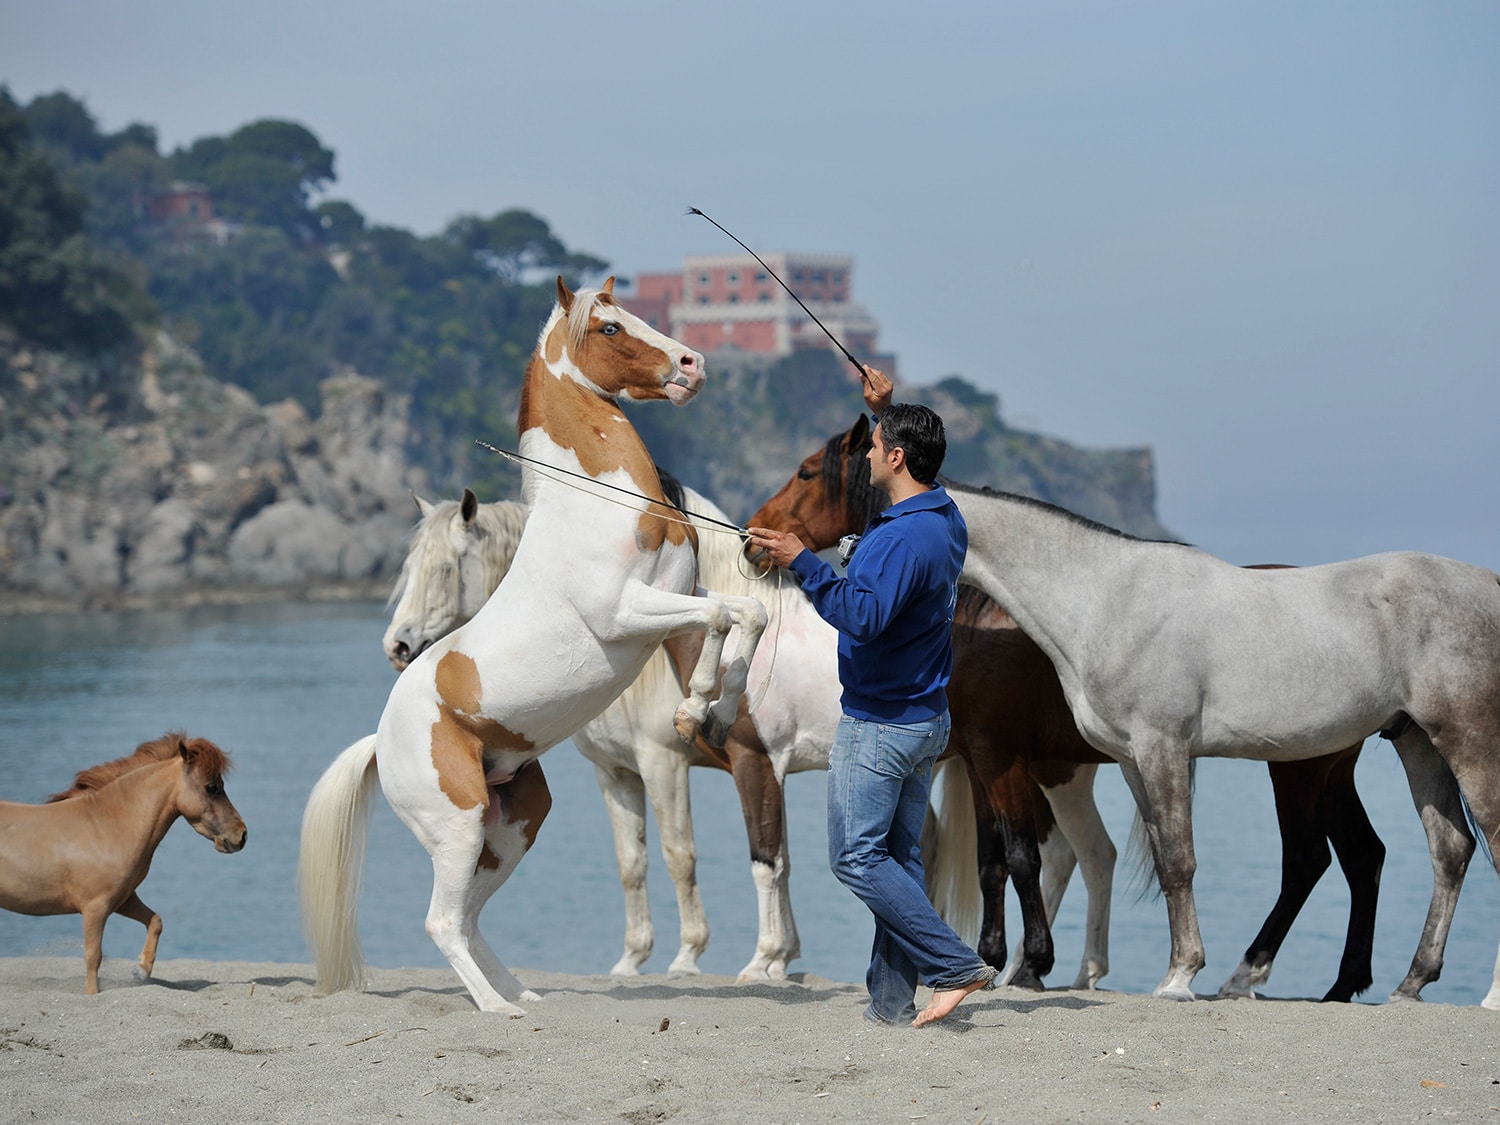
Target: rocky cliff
x,y
186,490
151,484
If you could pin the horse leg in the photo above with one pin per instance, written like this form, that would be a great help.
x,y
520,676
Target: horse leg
x,y
700,713
136,910
1361,855
1298,787
1084,835
1019,828
664,770
517,809
993,875
1161,780
94,916
473,851
625,802
1476,777
762,802
1435,792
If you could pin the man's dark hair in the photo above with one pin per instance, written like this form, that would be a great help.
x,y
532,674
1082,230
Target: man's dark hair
x,y
919,431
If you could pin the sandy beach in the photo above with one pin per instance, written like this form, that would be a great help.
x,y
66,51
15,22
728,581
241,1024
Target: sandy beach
x,y
229,1041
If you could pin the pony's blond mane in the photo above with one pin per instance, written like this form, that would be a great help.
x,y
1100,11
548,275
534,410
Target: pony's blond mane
x,y
161,749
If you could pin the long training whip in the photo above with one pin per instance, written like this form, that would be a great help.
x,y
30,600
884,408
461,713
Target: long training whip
x,y
550,470
836,341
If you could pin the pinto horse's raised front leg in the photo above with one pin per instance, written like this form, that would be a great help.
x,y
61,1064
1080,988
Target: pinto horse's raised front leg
x,y
652,610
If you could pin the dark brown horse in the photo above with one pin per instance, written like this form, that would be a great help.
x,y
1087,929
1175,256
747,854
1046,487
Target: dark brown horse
x,y
1020,745
89,847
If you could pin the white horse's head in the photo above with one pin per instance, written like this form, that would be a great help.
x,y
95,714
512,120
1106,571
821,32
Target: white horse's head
x,y
597,341
459,552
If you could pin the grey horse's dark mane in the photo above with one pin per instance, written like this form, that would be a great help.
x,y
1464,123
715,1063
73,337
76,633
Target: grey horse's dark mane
x,y
1042,505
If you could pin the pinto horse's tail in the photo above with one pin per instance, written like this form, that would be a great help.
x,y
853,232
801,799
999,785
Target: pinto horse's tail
x,y
950,841
331,867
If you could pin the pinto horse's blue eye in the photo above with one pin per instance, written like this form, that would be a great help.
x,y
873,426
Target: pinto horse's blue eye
x,y
610,329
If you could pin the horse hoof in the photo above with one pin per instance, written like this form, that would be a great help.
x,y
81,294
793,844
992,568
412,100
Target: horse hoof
x,y
530,997
1181,995
140,974
687,726
714,732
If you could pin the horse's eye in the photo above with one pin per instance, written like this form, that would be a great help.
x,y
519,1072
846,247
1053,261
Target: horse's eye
x,y
214,790
804,474
610,329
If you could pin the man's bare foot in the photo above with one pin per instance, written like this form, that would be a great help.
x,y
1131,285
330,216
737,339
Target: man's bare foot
x,y
944,1001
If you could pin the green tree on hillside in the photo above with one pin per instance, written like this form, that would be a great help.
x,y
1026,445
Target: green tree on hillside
x,y
54,288
264,173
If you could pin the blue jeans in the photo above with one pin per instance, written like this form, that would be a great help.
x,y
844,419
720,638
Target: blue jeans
x,y
879,775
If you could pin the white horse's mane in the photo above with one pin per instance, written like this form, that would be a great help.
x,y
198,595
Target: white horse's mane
x,y
499,525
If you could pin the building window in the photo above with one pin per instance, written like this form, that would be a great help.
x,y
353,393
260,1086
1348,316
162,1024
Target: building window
x,y
733,279
703,279
734,298
764,297
762,277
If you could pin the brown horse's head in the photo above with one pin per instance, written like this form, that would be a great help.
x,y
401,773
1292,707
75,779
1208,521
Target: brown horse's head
x,y
201,799
828,497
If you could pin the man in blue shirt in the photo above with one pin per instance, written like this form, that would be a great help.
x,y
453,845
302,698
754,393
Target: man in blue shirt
x,y
894,613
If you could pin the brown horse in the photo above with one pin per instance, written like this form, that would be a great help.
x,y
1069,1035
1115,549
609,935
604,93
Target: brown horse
x,y
1014,731
89,847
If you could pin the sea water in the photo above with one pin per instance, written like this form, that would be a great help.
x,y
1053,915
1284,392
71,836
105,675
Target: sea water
x,y
284,688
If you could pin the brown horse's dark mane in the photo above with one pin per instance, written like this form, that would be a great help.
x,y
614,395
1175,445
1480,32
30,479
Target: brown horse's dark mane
x,y
849,475
209,758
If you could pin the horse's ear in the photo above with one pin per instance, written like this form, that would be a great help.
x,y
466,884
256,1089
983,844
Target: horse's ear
x,y
469,507
859,433
184,750
609,285
564,294
423,507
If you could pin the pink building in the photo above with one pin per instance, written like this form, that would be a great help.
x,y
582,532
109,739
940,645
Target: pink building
x,y
725,305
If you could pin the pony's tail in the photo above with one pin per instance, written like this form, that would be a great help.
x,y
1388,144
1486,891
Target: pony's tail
x,y
331,867
950,845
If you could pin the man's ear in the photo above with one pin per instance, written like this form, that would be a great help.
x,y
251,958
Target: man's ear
x,y
897,457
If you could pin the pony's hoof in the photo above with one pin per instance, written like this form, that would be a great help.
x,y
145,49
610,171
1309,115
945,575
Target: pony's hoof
x,y
141,975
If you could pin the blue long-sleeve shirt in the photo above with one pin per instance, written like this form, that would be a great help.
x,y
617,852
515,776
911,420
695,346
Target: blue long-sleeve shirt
x,y
893,608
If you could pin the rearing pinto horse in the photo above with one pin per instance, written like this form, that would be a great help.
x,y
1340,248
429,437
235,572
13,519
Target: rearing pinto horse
x,y
1013,728
89,847
598,581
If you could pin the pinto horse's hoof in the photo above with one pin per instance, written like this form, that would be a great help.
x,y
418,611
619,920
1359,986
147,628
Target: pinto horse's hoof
x,y
714,732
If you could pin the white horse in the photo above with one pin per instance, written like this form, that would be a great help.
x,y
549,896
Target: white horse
x,y
459,552
596,585
1166,653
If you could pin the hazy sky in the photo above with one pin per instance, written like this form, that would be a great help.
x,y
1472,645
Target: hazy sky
x,y
1263,239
